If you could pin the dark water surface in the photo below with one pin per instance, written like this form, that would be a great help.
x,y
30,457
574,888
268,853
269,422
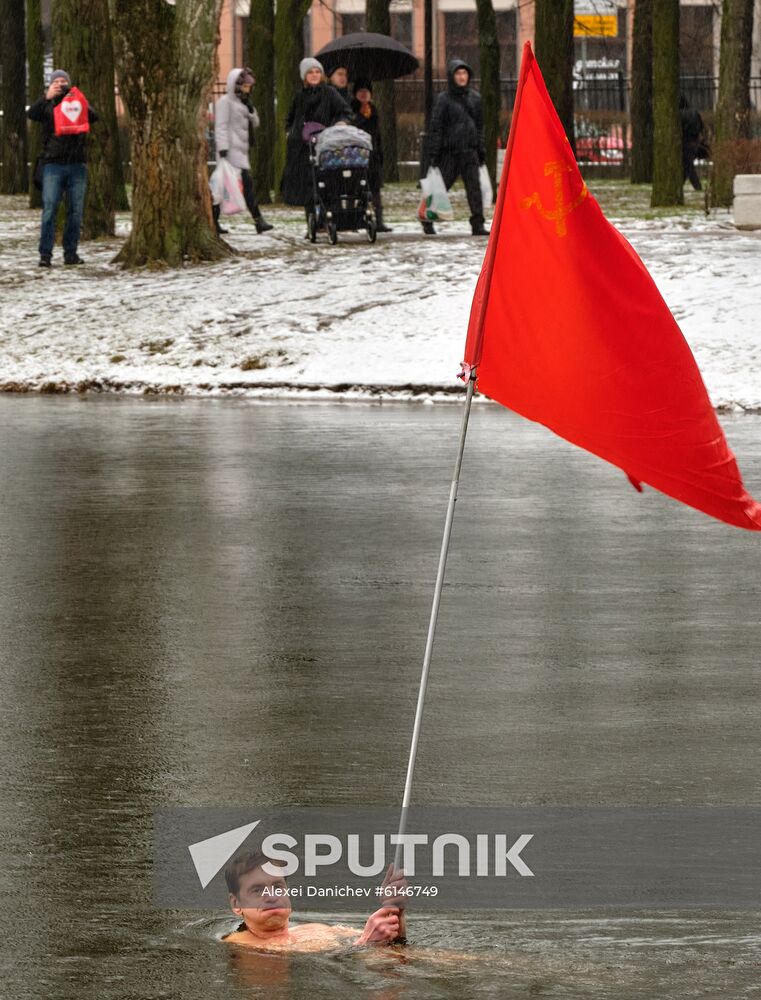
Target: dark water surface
x,y
223,604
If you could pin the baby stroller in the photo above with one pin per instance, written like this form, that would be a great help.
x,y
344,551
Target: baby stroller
x,y
340,158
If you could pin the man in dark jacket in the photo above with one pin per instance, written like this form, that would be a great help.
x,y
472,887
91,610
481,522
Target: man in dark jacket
x,y
456,140
64,170
692,133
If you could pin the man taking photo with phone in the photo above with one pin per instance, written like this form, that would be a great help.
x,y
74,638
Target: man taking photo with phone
x,y
65,116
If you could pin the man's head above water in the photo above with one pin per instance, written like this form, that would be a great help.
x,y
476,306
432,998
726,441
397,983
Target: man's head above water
x,y
258,898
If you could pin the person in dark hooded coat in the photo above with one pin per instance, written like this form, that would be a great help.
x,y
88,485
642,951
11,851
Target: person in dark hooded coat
x,y
317,102
692,134
456,140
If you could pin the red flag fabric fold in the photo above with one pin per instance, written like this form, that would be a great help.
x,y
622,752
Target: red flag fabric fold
x,y
568,328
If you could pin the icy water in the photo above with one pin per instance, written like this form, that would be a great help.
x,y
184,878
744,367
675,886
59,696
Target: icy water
x,y
222,603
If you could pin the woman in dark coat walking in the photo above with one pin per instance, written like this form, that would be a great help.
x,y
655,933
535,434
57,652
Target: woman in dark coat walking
x,y
315,102
366,118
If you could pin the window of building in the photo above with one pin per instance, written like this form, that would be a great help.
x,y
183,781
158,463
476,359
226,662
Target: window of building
x,y
306,39
242,37
401,25
348,24
599,68
696,40
598,54
461,40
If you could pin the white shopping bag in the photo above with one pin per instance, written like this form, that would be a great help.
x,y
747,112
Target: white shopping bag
x,y
227,189
487,192
435,205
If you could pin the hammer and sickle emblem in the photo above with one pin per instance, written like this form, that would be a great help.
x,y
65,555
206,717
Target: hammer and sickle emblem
x,y
563,207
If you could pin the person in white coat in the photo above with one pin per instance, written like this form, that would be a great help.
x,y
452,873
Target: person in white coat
x,y
235,118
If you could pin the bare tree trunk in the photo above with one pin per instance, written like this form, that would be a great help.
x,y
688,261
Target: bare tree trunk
x,y
491,95
166,57
261,59
554,53
733,107
378,18
35,56
82,46
642,94
14,175
289,50
668,176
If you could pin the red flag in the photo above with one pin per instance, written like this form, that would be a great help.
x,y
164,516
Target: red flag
x,y
567,327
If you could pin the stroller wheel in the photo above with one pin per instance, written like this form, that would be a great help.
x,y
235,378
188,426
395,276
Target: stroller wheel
x,y
312,227
372,230
332,233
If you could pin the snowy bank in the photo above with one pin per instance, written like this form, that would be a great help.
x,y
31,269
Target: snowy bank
x,y
291,319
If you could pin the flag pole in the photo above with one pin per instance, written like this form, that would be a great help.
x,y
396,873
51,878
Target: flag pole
x,y
407,796
478,315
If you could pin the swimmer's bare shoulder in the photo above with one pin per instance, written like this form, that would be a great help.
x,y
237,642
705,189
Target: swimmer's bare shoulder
x,y
325,937
304,937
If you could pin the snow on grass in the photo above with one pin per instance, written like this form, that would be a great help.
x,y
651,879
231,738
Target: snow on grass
x,y
289,318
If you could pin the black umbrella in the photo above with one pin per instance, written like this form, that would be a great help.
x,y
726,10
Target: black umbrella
x,y
365,54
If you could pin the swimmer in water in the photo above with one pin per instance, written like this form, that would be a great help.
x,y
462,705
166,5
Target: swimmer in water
x,y
262,903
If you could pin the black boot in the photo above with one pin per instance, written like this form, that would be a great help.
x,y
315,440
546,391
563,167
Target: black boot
x,y
428,228
215,211
380,226
477,226
262,226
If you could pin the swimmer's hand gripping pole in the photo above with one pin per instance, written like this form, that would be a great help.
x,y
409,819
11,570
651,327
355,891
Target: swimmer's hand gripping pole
x,y
429,643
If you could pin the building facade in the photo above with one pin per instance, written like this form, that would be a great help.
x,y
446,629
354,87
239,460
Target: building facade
x,y
603,32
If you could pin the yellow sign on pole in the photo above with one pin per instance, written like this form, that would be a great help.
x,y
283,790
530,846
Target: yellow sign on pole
x,y
595,26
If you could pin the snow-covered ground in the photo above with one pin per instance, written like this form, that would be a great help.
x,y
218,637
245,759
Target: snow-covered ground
x,y
289,318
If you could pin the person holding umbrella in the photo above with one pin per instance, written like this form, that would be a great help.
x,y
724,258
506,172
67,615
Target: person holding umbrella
x,y
364,56
456,140
367,55
316,102
366,118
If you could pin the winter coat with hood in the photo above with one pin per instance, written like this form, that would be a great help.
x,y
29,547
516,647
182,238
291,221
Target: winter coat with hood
x,y
457,121
322,104
233,114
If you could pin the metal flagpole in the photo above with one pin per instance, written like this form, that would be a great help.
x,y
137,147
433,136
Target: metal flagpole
x,y
432,629
526,63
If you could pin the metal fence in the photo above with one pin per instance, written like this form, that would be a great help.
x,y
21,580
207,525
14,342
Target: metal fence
x,y
610,93
591,93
